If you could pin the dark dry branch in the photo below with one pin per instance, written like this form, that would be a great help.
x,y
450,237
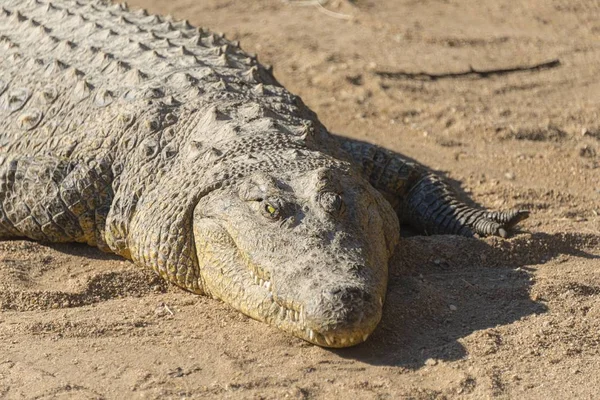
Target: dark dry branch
x,y
471,72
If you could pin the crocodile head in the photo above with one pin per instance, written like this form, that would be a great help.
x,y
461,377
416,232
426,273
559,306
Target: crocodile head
x,y
305,252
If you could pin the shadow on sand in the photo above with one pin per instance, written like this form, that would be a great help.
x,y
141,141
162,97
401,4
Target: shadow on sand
x,y
443,288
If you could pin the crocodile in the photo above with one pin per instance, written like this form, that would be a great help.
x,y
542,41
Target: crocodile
x,y
169,145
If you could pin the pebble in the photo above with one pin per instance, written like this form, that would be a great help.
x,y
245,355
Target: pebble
x,y
587,151
430,362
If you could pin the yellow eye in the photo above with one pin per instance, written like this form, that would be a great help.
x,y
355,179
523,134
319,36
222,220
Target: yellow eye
x,y
271,211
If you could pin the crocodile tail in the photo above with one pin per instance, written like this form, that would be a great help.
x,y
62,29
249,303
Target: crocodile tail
x,y
432,208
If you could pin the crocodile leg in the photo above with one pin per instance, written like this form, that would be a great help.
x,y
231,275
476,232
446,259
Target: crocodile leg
x,y
422,199
54,200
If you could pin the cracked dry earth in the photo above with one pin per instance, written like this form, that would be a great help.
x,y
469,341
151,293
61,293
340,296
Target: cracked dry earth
x,y
464,318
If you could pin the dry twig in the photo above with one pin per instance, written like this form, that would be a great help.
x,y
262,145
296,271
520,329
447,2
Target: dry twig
x,y
424,76
320,5
168,309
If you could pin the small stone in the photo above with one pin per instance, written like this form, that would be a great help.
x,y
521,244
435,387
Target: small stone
x,y
587,152
430,362
452,307
510,176
157,288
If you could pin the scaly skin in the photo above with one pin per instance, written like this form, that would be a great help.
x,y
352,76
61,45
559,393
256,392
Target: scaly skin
x,y
172,147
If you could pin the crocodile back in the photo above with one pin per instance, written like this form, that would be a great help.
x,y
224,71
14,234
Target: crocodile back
x,y
83,78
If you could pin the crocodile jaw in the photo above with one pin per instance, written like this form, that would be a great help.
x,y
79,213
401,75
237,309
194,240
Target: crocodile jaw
x,y
228,275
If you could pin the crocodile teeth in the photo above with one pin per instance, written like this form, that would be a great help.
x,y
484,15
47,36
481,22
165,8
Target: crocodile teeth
x,y
256,279
296,315
343,340
329,340
267,285
380,300
260,282
252,274
311,334
365,336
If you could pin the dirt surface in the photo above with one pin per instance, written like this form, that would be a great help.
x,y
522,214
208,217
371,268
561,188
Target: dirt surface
x,y
464,318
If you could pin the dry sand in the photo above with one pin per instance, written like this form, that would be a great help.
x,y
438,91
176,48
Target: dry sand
x,y
464,318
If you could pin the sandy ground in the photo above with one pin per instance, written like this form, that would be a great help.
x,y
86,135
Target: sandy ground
x,y
464,318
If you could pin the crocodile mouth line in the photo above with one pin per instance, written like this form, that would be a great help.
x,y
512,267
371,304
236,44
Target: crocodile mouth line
x,y
256,296
294,314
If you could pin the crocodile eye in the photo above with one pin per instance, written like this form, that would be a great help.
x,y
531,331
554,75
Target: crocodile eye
x,y
271,211
331,202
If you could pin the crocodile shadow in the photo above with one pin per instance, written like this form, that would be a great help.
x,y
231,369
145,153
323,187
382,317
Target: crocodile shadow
x,y
443,288
82,250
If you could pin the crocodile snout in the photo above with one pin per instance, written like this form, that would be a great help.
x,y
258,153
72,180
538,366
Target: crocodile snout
x,y
343,316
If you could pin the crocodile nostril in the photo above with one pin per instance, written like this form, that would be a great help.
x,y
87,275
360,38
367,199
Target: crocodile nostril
x,y
351,296
343,310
